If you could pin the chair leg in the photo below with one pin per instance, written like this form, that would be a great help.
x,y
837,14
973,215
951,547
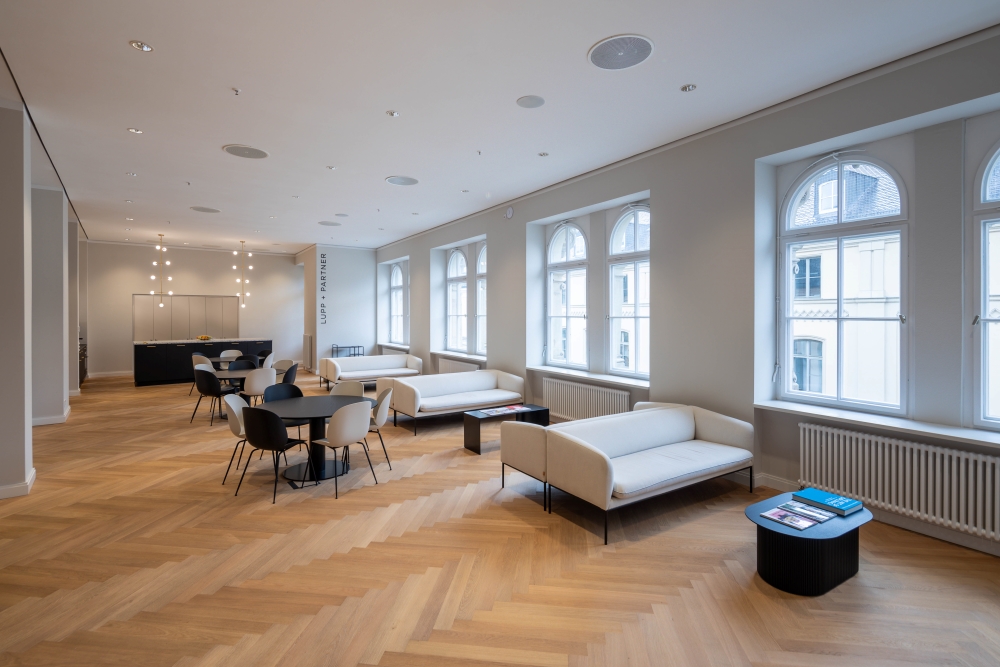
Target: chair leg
x,y
231,461
242,449
336,491
503,469
394,418
274,458
243,475
286,457
196,408
384,449
192,388
370,465
211,421
315,474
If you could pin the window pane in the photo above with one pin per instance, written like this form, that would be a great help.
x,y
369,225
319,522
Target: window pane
x,y
814,357
869,192
623,290
623,339
871,361
642,231
481,334
576,349
991,370
482,261
557,339
557,250
456,265
481,296
397,277
457,338
623,237
815,203
812,276
577,302
576,246
991,309
872,276
396,316
642,348
991,188
557,293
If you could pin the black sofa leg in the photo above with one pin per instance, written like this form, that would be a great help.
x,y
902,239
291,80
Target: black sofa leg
x,y
503,468
605,527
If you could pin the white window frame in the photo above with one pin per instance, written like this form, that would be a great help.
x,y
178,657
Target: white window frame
x,y
567,266
981,221
480,316
449,281
634,258
979,200
401,290
838,231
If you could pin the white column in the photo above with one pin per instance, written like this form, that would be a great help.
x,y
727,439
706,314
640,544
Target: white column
x,y
17,472
50,307
73,325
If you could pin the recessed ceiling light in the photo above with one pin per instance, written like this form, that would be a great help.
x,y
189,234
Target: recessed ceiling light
x,y
331,168
134,130
128,229
128,201
688,87
185,243
256,231
295,196
204,209
464,190
141,46
620,52
543,154
130,173
414,214
273,217
530,101
329,223
129,219
401,180
126,239
392,114
340,215
239,150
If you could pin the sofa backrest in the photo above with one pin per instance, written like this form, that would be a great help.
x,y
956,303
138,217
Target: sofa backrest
x,y
631,432
444,384
376,362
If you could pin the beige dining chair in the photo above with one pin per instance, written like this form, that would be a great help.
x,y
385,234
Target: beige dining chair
x,y
379,416
348,388
257,381
230,355
268,362
205,367
348,426
234,410
196,360
282,365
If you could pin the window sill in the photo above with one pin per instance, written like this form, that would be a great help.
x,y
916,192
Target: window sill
x,y
460,356
587,375
959,434
396,346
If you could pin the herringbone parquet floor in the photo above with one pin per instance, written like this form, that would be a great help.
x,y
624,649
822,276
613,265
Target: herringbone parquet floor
x,y
129,551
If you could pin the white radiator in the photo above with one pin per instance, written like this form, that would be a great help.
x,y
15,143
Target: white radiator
x,y
452,366
948,487
573,400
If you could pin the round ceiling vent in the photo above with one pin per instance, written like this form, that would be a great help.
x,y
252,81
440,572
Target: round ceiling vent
x,y
620,52
401,180
530,101
245,151
329,223
204,209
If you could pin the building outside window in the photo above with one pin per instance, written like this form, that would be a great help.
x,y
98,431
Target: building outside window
x,y
628,314
481,302
457,303
843,291
567,298
397,330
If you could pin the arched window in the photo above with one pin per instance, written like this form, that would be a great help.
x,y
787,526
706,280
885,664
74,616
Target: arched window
x,y
628,313
457,303
991,180
481,302
396,306
567,298
844,191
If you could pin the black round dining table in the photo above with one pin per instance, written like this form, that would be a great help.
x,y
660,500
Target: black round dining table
x,y
316,409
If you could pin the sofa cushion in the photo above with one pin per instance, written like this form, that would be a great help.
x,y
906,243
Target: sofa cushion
x,y
651,469
630,432
373,362
467,400
446,384
378,372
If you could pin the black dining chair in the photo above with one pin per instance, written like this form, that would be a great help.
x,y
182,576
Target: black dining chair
x,y
279,392
289,376
262,355
240,365
248,357
265,431
209,385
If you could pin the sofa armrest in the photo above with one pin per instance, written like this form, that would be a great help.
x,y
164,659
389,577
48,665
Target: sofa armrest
x,y
578,468
334,370
405,398
713,427
381,384
415,362
522,446
509,382
647,405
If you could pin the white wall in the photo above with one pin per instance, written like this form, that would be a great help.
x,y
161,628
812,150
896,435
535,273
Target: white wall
x,y
114,272
50,307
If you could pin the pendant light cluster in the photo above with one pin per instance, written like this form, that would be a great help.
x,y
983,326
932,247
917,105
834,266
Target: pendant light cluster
x,y
243,281
160,262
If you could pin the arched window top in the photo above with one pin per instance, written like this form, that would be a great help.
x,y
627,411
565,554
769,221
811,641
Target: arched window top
x,y
844,192
991,180
568,245
631,233
481,262
456,265
396,278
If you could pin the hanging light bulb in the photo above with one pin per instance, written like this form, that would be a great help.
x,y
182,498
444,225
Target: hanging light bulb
x,y
167,262
250,267
170,293
160,263
157,247
154,263
152,292
161,304
243,305
234,267
152,277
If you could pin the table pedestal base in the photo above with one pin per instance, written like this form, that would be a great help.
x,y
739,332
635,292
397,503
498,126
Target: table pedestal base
x,y
302,473
803,566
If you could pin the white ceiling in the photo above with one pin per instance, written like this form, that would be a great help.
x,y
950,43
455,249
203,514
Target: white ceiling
x,y
316,79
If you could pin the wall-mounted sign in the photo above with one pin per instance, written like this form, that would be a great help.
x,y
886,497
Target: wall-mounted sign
x,y
322,288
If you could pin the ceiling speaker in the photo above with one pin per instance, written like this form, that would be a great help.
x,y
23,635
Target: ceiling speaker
x,y
620,52
245,151
204,209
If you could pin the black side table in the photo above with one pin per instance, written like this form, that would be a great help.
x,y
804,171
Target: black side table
x,y
535,414
813,561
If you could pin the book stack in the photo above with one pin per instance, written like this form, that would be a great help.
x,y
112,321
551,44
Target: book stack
x,y
809,507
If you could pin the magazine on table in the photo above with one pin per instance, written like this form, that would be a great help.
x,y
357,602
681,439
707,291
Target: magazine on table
x,y
787,518
827,501
808,511
508,410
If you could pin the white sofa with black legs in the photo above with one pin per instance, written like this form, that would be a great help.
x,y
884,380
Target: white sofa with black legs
x,y
450,393
621,459
368,369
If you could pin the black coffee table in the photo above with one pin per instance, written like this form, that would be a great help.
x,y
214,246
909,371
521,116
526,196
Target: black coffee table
x,y
535,414
316,409
806,562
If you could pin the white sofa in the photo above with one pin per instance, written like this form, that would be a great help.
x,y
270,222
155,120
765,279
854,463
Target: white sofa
x,y
448,393
620,459
369,369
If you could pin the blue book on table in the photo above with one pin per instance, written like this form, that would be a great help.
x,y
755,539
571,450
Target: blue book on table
x,y
828,501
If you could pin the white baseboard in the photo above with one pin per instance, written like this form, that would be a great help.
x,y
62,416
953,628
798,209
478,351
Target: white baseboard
x,y
74,392
19,489
53,419
108,374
